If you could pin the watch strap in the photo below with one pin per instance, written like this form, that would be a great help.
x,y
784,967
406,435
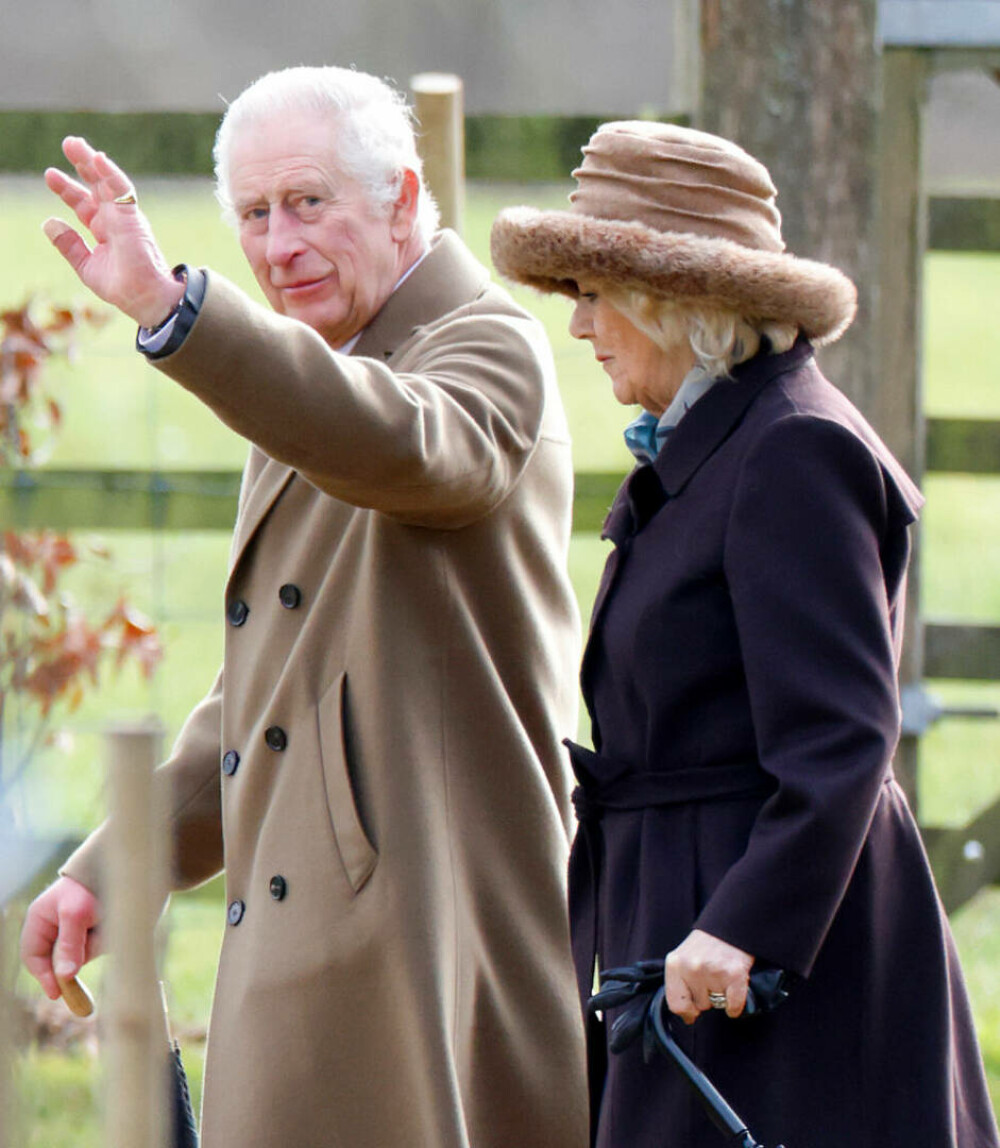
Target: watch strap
x,y
184,314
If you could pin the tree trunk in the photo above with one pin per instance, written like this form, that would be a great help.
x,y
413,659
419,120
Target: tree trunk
x,y
798,85
802,87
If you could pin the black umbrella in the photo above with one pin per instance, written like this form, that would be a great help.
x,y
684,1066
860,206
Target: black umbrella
x,y
181,1109
640,987
185,1128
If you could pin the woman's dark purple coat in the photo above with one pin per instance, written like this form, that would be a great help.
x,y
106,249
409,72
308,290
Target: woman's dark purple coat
x,y
750,616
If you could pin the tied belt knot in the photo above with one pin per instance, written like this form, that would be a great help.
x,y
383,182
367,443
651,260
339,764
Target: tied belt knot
x,y
586,808
606,786
621,789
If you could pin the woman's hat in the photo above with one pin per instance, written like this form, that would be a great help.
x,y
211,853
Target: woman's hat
x,y
675,213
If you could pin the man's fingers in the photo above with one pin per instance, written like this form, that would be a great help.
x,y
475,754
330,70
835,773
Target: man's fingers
x,y
82,156
37,939
77,198
56,229
56,937
104,178
70,952
68,243
41,969
117,181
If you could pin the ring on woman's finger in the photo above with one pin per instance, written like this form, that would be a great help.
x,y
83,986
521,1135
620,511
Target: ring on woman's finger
x,y
128,199
717,1000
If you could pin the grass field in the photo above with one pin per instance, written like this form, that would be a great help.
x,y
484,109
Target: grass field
x,y
121,414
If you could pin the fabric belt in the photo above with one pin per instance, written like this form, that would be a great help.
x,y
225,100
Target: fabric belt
x,y
627,790
623,790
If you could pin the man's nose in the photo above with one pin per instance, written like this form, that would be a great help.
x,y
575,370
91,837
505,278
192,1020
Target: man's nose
x,y
284,240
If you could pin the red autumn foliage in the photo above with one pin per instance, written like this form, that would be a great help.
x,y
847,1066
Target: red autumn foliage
x,y
29,337
50,650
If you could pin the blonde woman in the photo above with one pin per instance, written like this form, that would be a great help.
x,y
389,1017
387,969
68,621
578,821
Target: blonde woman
x,y
738,809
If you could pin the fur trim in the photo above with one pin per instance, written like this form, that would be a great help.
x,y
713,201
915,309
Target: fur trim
x,y
549,250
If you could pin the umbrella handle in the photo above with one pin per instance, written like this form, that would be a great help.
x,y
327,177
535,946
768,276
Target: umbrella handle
x,y
76,995
719,1111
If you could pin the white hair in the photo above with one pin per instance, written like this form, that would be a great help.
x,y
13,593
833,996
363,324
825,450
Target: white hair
x,y
375,138
720,337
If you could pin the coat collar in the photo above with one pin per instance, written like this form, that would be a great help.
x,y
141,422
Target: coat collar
x,y
710,422
698,435
447,277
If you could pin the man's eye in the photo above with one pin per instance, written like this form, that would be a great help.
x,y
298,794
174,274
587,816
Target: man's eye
x,y
254,214
303,199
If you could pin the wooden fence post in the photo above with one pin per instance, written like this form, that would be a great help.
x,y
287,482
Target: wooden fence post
x,y
137,1114
441,140
6,1038
897,408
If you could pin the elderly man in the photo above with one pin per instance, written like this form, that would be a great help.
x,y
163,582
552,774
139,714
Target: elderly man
x,y
377,767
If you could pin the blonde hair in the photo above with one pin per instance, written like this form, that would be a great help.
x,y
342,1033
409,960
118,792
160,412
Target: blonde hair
x,y
720,337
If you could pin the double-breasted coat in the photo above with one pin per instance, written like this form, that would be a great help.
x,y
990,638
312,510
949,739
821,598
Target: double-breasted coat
x,y
378,766
741,678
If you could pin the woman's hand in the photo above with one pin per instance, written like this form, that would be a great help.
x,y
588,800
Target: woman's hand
x,y
702,964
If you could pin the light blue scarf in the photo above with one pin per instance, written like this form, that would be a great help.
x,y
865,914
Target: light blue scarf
x,y
645,435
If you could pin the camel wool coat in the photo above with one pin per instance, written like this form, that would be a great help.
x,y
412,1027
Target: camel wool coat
x,y
378,766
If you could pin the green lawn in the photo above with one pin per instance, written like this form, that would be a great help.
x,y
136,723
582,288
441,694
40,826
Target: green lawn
x,y
120,413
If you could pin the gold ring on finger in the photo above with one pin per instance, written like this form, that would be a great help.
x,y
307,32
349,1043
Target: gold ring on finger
x,y
717,1000
128,199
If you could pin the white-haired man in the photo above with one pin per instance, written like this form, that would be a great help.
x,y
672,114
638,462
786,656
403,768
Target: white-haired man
x,y
377,767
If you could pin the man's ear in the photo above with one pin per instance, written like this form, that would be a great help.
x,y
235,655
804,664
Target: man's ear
x,y
404,210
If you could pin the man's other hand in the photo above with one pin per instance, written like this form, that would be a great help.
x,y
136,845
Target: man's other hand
x,y
60,933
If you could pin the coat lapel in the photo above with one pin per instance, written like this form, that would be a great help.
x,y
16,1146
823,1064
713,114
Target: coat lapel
x,y
650,486
712,419
448,277
265,481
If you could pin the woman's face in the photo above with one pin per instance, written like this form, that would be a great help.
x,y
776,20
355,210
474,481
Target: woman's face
x,y
641,371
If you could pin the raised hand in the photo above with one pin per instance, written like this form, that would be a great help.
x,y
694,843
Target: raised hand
x,y
124,267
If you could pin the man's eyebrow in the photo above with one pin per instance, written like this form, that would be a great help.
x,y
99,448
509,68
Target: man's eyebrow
x,y
242,202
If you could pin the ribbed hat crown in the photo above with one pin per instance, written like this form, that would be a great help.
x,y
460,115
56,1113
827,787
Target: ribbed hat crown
x,y
676,179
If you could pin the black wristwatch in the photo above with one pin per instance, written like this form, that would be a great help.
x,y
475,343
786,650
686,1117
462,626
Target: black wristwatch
x,y
183,315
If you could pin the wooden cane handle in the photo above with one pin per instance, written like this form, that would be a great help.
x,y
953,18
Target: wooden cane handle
x,y
76,995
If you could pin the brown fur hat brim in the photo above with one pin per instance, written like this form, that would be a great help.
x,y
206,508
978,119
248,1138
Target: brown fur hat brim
x,y
551,250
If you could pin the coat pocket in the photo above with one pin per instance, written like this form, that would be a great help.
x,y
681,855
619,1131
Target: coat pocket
x,y
356,851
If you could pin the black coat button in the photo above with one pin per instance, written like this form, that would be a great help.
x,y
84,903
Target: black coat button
x,y
237,612
278,887
276,738
230,762
234,914
290,596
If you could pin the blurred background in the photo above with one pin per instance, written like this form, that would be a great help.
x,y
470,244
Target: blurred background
x,y
877,121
